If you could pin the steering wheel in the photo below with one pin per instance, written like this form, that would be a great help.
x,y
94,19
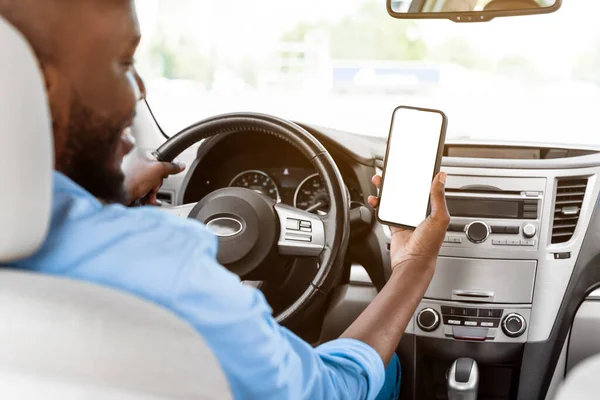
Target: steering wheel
x,y
257,237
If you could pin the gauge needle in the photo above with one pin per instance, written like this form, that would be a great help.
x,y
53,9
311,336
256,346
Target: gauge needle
x,y
314,207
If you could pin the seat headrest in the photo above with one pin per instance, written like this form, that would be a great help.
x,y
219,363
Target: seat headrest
x,y
26,154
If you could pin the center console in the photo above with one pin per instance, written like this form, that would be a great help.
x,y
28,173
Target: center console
x,y
487,294
519,256
492,289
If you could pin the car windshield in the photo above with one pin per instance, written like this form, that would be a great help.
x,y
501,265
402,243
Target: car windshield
x,y
346,64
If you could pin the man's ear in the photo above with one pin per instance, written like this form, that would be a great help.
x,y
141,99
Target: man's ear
x,y
52,79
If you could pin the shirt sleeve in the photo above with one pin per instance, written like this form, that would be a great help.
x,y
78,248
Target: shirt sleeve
x,y
261,359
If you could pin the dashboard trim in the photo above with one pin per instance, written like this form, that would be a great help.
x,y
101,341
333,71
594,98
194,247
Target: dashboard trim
x,y
587,161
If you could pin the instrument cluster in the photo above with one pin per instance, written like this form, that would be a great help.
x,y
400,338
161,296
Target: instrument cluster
x,y
299,187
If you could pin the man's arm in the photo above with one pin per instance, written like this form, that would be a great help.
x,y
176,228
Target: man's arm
x,y
414,256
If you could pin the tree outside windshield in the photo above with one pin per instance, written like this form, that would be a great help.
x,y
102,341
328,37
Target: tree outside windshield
x,y
346,64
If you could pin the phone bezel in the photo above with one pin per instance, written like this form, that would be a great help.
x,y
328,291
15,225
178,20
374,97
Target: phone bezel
x,y
438,161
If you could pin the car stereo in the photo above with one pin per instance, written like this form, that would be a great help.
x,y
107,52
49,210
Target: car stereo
x,y
494,212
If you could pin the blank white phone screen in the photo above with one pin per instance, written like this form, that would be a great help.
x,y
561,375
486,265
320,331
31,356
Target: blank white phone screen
x,y
412,154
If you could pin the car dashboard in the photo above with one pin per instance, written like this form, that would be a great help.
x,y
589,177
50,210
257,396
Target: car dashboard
x,y
519,258
269,166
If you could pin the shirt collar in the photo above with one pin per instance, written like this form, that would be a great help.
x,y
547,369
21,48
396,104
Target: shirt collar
x,y
64,184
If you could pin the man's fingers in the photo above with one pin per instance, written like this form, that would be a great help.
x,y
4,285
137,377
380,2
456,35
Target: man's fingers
x,y
373,201
172,168
439,208
152,199
376,181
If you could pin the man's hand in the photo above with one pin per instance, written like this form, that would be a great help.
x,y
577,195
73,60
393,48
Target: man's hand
x,y
414,255
144,176
424,243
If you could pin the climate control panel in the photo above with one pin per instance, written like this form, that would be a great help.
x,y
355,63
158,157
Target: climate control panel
x,y
472,322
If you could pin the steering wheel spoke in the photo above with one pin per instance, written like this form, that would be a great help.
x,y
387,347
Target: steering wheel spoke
x,y
180,211
302,234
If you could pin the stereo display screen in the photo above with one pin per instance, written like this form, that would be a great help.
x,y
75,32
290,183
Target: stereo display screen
x,y
480,208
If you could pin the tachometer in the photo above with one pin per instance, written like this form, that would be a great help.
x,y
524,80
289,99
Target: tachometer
x,y
257,181
312,196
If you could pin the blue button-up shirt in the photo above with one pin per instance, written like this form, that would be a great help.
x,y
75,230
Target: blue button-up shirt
x,y
172,261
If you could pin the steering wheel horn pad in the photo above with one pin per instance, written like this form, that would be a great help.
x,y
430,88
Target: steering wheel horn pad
x,y
245,250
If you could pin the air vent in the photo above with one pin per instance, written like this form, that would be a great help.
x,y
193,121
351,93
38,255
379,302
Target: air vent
x,y
569,199
165,197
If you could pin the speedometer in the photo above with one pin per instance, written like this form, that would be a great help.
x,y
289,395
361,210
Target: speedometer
x,y
312,196
257,181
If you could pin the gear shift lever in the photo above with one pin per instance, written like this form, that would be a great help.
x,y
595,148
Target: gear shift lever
x,y
463,380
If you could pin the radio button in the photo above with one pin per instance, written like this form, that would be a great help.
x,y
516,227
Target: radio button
x,y
513,242
513,230
529,231
428,320
499,242
478,232
471,323
469,312
498,229
490,312
456,228
529,243
455,240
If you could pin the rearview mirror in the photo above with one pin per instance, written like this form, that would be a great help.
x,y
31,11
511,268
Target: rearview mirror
x,y
468,10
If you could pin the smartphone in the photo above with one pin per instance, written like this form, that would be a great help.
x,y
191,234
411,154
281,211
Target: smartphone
x,y
413,159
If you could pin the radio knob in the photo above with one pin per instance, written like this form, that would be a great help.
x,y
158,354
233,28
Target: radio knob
x,y
478,232
529,231
514,325
428,319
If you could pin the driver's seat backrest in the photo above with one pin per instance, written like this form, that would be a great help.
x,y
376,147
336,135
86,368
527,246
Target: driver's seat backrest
x,y
60,338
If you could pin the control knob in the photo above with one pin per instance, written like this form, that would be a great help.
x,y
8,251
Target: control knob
x,y
428,319
529,231
478,232
514,325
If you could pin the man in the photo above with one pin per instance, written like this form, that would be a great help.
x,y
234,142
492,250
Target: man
x,y
85,49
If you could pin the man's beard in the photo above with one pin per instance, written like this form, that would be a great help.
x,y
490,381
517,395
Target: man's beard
x,y
88,156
